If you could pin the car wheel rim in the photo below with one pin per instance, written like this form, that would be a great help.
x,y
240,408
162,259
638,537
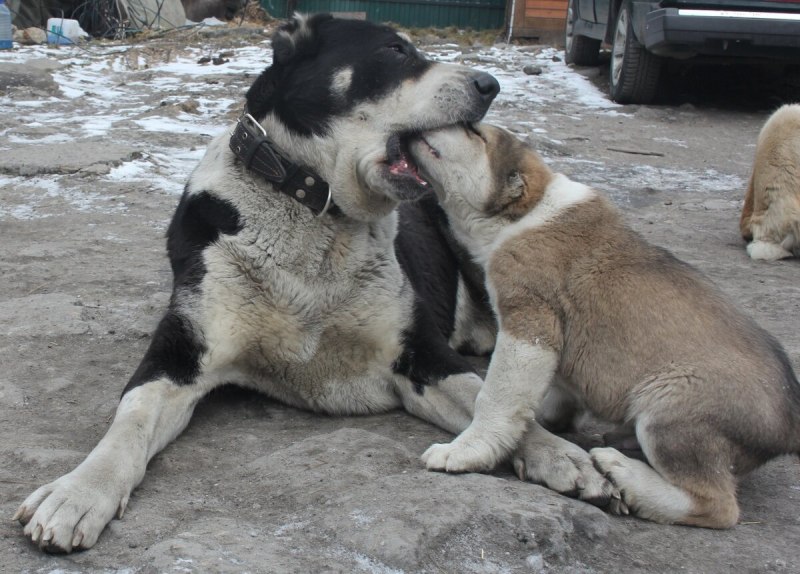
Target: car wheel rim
x,y
570,27
618,48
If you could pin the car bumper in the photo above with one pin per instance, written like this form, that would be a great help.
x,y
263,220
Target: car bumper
x,y
688,32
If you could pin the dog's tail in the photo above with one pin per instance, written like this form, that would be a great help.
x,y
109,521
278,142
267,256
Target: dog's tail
x,y
747,211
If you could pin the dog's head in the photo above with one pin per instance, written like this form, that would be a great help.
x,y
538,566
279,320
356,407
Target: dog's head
x,y
481,171
344,98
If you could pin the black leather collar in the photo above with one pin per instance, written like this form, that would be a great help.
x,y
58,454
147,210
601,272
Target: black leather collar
x,y
250,144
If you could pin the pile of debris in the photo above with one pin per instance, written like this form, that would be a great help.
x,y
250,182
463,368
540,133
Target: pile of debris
x,y
116,18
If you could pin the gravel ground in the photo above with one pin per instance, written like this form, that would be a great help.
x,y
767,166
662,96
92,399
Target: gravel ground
x,y
95,147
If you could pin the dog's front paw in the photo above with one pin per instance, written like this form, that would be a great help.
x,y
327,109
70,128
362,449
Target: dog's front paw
x,y
71,512
460,456
567,469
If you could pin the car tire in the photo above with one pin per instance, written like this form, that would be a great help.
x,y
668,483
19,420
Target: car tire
x,y
579,50
634,72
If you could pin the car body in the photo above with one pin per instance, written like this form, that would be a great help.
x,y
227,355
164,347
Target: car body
x,y
642,33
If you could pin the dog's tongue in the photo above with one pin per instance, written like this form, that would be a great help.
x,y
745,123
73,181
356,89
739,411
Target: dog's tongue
x,y
399,161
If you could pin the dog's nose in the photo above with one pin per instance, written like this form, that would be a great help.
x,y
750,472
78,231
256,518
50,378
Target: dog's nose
x,y
486,84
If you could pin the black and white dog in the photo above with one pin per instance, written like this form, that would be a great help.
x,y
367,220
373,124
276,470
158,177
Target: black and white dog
x,y
294,274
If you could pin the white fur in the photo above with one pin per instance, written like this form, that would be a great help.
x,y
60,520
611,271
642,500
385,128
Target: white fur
x,y
556,463
645,492
518,377
449,404
767,251
341,81
560,194
72,511
483,235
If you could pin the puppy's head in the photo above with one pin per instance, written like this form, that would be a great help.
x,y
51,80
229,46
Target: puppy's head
x,y
344,97
481,171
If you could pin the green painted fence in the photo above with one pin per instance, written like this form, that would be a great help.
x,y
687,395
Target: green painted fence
x,y
475,14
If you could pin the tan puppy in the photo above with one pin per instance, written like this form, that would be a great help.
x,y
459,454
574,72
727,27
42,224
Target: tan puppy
x,y
771,213
588,308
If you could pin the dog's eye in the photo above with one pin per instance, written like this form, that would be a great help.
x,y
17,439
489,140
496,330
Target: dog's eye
x,y
399,48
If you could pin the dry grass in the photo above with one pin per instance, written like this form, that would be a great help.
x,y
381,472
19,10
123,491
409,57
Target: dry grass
x,y
460,36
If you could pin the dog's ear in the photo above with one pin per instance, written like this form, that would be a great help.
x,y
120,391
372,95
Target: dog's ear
x,y
294,40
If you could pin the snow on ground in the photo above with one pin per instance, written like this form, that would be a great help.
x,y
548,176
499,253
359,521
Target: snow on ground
x,y
129,93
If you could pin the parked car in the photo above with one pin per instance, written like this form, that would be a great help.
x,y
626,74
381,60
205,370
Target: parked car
x,y
643,34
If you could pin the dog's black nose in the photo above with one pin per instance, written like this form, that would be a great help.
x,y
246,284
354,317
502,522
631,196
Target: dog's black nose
x,y
486,84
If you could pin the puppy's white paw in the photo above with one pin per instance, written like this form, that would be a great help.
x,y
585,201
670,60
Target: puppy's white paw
x,y
460,456
71,512
565,468
766,251
615,467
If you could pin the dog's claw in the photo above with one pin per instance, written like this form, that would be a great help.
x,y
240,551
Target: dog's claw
x,y
77,539
37,533
18,514
123,504
519,467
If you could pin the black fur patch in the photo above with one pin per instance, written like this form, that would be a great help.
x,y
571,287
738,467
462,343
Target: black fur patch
x,y
433,269
174,351
425,257
426,357
198,221
297,87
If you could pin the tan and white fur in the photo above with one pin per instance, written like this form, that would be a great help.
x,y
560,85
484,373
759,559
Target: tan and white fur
x,y
587,308
771,214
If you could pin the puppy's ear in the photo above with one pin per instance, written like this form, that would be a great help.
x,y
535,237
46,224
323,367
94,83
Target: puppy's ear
x,y
511,190
514,187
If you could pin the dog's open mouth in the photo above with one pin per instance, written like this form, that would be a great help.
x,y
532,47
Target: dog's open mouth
x,y
398,158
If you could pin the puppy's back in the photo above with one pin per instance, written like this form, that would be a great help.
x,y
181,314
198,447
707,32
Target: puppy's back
x,y
631,312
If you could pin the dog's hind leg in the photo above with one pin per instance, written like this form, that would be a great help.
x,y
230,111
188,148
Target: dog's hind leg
x,y
549,460
689,481
72,511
